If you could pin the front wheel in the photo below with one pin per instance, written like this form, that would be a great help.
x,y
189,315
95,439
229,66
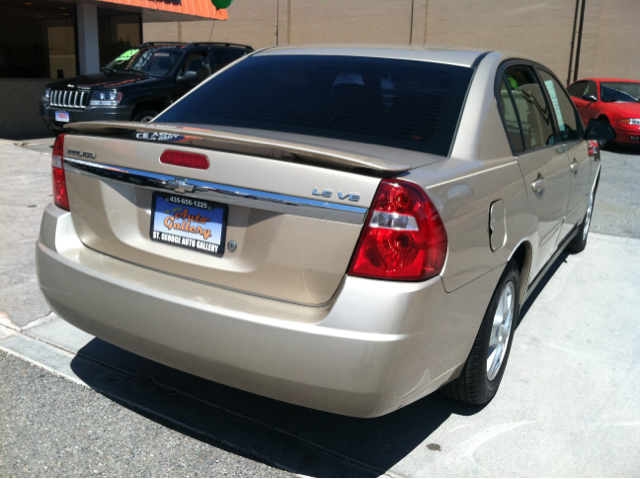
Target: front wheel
x,y
483,371
605,144
145,115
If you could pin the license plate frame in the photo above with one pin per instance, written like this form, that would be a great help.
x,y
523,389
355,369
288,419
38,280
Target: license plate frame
x,y
62,116
171,235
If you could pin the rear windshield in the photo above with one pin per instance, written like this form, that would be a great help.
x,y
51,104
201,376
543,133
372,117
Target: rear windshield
x,y
405,104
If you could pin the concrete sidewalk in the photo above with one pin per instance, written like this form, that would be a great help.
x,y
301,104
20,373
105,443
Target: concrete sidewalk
x,y
569,404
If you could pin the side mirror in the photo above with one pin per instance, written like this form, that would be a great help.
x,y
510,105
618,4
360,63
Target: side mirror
x,y
188,77
599,130
590,98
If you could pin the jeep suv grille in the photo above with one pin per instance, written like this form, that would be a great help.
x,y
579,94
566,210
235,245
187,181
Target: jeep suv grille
x,y
69,99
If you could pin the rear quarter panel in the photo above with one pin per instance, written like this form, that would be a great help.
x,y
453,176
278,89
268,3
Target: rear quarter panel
x,y
480,171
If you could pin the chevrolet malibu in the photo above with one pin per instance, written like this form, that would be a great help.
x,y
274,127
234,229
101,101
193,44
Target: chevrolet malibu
x,y
346,229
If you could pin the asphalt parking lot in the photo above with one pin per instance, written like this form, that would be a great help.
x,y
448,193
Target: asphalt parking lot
x,y
569,404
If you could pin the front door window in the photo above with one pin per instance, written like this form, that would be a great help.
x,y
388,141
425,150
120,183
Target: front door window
x,y
568,125
197,62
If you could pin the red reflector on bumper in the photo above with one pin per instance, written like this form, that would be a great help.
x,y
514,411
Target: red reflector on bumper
x,y
182,158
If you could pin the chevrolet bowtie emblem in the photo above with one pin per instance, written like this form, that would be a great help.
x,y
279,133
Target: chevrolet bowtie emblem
x,y
180,186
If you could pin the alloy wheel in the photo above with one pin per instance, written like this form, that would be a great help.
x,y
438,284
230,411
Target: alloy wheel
x,y
501,330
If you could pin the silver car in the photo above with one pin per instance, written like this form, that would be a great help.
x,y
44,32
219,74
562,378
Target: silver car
x,y
347,229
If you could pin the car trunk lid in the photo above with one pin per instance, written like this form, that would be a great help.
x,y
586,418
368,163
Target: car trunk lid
x,y
293,210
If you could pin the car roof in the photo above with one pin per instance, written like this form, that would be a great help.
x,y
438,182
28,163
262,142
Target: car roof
x,y
452,56
467,57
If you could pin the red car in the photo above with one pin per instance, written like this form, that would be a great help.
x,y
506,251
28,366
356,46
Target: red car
x,y
612,100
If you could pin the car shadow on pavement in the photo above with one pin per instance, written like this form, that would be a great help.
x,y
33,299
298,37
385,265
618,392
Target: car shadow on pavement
x,y
624,149
524,308
292,438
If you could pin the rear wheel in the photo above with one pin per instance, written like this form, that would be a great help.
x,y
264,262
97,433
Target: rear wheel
x,y
483,371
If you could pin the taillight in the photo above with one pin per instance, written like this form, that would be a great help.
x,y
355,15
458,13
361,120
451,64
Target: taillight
x,y
403,238
182,158
57,172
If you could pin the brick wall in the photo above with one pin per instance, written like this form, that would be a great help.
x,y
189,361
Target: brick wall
x,y
352,21
611,47
541,29
299,21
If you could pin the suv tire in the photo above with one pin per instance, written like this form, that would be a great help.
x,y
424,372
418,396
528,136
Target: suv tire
x,y
144,114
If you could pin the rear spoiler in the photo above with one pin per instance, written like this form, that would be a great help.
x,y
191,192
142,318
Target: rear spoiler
x,y
245,144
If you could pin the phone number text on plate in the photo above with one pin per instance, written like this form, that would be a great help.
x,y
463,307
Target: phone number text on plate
x,y
188,202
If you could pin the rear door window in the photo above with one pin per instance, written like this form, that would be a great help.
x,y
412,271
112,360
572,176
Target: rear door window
x,y
533,109
237,53
510,117
569,123
405,104
221,57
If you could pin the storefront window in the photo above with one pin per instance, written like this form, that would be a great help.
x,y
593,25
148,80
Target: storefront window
x,y
37,39
62,49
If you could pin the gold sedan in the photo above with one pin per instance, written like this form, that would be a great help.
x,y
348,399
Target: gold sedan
x,y
347,229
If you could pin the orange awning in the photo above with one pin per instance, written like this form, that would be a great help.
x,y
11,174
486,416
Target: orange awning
x,y
198,8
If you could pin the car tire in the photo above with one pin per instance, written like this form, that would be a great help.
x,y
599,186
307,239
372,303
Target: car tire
x,y
579,242
145,115
482,373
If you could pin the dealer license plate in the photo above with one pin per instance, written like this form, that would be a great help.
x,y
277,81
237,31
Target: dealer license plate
x,y
195,224
62,116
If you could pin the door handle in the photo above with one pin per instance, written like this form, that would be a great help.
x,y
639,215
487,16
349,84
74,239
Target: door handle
x,y
539,185
574,167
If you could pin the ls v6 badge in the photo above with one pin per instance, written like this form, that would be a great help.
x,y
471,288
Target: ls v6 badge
x,y
327,194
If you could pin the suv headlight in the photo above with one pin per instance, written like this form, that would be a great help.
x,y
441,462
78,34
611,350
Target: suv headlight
x,y
105,98
45,94
631,121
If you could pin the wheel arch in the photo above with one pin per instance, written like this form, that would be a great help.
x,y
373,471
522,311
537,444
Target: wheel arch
x,y
522,256
158,105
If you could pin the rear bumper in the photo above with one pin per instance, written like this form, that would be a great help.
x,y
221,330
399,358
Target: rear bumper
x,y
377,347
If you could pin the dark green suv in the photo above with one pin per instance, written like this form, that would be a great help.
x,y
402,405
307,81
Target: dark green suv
x,y
138,84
